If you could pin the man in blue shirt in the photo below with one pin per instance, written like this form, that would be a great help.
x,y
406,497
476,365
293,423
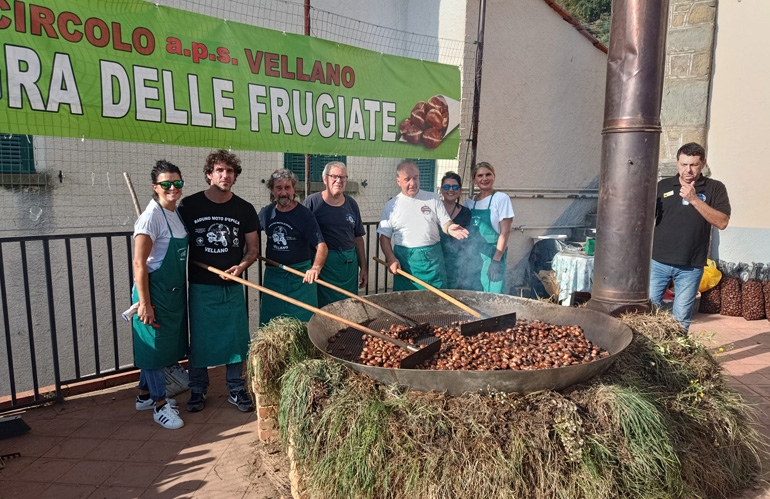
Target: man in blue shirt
x,y
292,238
339,218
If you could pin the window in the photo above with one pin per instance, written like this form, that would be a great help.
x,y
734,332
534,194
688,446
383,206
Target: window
x,y
296,163
427,168
16,154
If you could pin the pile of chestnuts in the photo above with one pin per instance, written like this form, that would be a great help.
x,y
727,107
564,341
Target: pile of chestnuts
x,y
529,345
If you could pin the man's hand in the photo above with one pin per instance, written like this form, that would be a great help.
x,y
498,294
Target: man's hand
x,y
311,274
457,231
363,278
394,266
495,271
234,270
687,192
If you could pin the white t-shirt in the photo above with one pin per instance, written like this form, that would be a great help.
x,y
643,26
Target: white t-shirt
x,y
413,222
152,223
500,210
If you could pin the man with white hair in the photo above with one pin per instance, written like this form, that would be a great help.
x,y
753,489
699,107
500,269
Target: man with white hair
x,y
339,218
409,232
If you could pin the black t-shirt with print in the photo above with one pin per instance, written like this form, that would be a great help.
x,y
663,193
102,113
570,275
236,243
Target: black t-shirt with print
x,y
217,234
292,236
681,234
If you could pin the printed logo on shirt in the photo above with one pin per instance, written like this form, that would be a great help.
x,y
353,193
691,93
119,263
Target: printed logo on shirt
x,y
182,254
217,235
351,219
426,209
279,237
217,239
702,197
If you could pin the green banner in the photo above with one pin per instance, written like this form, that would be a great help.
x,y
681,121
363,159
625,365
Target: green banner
x,y
130,70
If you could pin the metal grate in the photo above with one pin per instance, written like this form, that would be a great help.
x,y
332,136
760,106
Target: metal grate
x,y
349,342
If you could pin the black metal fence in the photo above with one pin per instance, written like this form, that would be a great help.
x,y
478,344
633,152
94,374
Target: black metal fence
x,y
61,297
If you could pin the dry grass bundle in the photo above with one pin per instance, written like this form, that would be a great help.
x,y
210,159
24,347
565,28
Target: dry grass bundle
x,y
280,343
661,423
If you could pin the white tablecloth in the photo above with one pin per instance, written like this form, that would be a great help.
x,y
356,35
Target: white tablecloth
x,y
574,271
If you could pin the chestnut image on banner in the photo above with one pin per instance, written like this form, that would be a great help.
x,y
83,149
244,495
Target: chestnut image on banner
x,y
428,122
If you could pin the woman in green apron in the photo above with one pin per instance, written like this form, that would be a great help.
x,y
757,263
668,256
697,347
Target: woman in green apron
x,y
160,324
455,250
491,220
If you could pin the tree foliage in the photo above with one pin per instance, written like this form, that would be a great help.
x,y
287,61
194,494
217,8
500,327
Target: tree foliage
x,y
593,14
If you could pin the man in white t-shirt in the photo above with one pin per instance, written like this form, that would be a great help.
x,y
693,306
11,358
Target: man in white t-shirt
x,y
409,232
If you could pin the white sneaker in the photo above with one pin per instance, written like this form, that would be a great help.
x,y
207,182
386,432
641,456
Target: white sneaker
x,y
143,405
168,417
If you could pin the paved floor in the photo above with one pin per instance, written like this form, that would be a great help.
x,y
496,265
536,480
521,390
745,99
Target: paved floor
x,y
99,446
744,350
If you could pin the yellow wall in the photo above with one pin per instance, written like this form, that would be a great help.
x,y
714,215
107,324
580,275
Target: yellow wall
x,y
739,126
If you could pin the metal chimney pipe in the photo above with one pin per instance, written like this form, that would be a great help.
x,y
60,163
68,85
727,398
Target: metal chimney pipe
x,y
630,149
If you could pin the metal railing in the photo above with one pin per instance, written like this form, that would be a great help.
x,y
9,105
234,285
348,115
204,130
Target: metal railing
x,y
60,300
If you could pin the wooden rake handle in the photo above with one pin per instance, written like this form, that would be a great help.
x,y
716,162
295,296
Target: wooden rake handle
x,y
434,289
133,193
337,289
304,305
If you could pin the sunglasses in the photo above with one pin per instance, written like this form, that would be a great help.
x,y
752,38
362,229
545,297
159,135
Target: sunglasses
x,y
282,174
166,184
448,187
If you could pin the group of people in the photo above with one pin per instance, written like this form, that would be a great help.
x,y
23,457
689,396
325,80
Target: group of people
x,y
442,242
214,227
217,228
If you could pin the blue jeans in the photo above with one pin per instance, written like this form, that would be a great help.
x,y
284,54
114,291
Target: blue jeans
x,y
686,283
199,378
154,381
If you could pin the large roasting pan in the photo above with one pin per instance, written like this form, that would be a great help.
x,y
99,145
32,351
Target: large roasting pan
x,y
603,330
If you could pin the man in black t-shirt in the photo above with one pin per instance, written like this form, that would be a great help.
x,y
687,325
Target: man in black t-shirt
x,y
223,232
687,206
292,238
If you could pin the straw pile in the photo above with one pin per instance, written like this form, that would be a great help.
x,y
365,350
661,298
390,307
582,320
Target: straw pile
x,y
661,423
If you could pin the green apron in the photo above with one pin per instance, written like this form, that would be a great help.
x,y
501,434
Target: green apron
x,y
219,326
341,269
425,263
161,347
290,285
484,239
456,255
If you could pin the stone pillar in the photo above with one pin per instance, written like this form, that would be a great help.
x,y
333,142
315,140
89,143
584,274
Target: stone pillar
x,y
687,79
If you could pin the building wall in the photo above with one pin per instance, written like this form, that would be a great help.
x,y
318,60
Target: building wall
x,y
739,122
542,106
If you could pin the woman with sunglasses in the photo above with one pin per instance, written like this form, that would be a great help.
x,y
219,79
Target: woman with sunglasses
x,y
160,262
490,228
454,249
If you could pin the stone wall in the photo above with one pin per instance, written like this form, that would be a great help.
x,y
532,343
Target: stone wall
x,y
687,81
